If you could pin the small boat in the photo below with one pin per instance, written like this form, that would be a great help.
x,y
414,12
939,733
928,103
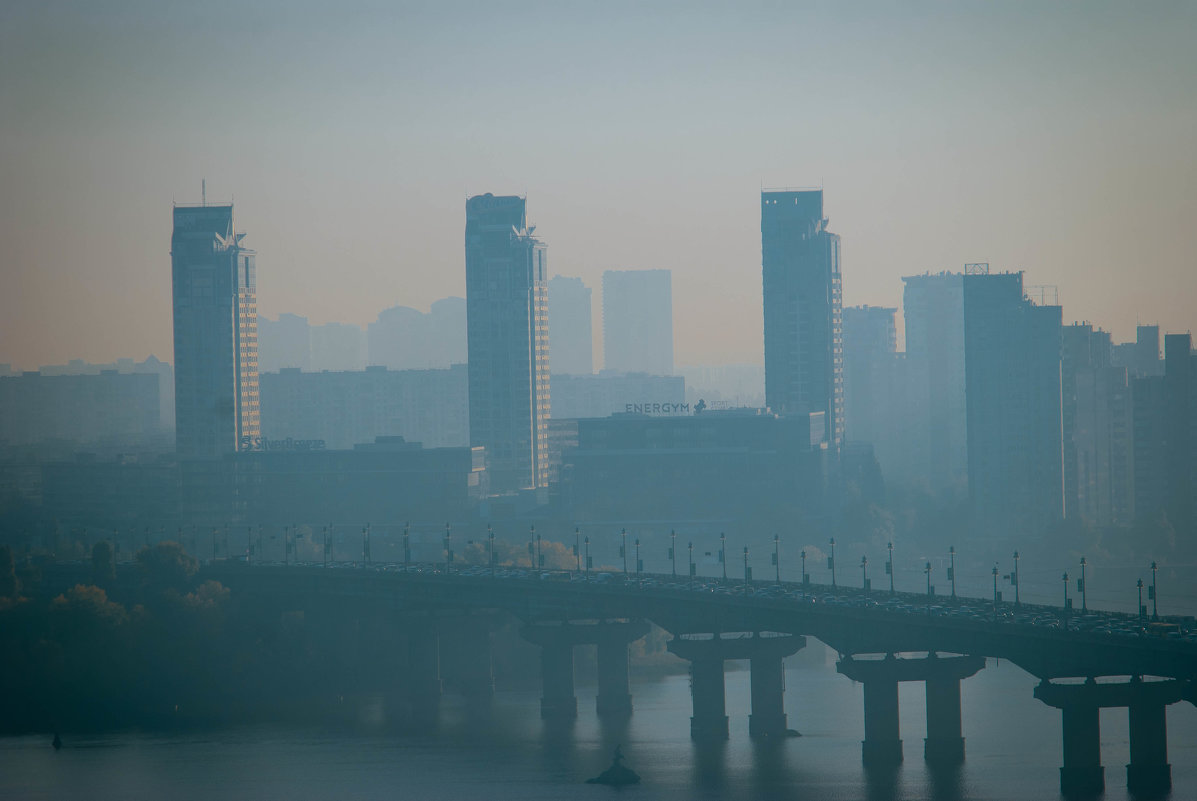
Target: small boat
x,y
618,775
57,742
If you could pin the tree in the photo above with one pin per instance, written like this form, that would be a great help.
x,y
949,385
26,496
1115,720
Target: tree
x,y
103,564
166,565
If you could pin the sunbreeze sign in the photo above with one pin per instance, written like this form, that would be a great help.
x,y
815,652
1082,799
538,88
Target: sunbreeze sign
x,y
659,409
288,444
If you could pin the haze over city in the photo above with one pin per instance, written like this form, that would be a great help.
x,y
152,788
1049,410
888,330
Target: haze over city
x,y
1052,138
479,401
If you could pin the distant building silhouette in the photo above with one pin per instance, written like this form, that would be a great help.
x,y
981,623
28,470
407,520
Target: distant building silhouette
x,y
338,346
507,312
108,408
403,338
638,321
802,309
346,408
572,348
1097,429
285,342
215,333
936,429
1012,388
1165,414
873,411
1141,358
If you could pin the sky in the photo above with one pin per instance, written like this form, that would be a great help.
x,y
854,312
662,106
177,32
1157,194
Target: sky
x,y
1055,138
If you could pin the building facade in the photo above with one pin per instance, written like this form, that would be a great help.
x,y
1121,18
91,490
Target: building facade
x,y
933,310
638,321
508,342
1012,353
215,333
803,309
572,350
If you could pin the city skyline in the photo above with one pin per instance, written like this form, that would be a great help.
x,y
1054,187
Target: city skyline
x,y
937,147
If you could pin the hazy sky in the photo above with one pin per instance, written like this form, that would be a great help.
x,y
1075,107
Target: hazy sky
x,y
1056,138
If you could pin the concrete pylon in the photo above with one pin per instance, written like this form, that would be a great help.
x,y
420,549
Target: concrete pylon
x,y
707,654
882,744
557,643
424,680
1082,773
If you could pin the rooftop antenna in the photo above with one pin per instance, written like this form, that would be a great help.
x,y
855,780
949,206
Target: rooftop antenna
x,y
204,192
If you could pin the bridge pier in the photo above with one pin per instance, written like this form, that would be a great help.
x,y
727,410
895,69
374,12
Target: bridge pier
x,y
882,745
478,670
424,686
557,665
1082,774
764,655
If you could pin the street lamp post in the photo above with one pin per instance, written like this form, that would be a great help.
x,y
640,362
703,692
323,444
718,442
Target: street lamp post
x,y
407,546
723,553
1065,577
366,544
777,558
213,543
577,550
995,593
639,564
448,548
326,546
1017,603
952,569
864,575
927,570
587,544
673,552
889,566
802,556
539,553
1142,609
1080,585
490,549
746,573
831,563
1155,595
623,549
690,551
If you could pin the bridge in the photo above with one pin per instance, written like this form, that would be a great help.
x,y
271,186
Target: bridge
x,y
1084,661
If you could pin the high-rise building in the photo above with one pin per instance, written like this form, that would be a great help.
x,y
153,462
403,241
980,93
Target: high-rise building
x,y
508,341
933,310
638,321
1012,390
403,338
215,333
572,351
285,342
338,346
803,309
875,407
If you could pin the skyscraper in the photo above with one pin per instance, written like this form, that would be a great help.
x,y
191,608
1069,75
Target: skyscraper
x,y
803,309
933,309
569,322
508,341
215,333
1012,352
638,321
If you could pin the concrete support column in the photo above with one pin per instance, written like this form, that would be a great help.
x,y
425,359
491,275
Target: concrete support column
x,y
1148,772
614,696
709,721
882,743
768,718
1082,773
478,671
557,677
424,680
945,741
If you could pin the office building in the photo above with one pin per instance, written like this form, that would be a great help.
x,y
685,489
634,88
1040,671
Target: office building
x,y
109,409
638,321
802,309
609,393
337,346
346,408
1141,358
1012,353
283,343
215,333
572,350
933,310
508,342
